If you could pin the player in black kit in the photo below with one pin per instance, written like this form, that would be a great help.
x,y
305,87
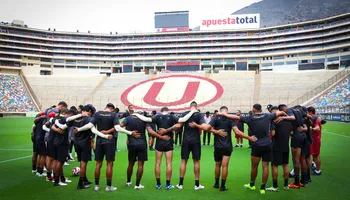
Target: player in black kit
x,y
222,127
105,120
259,123
164,145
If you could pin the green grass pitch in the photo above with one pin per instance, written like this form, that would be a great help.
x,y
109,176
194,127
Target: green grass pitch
x,y
17,182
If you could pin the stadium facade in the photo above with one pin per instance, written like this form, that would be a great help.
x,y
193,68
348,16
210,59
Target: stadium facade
x,y
319,44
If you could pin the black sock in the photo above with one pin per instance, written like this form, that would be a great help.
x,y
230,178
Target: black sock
x,y
216,181
196,182
274,183
158,181
97,181
80,183
308,175
303,178
63,179
41,170
296,180
109,183
128,179
33,167
167,182
223,183
138,182
181,181
48,174
57,179
286,182
54,175
262,187
252,183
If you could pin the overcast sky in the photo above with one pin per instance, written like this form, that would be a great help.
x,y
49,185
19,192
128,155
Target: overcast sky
x,y
103,16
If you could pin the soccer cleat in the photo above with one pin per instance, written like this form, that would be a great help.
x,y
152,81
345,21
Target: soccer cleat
x,y
87,182
38,174
44,174
217,186
65,164
159,187
286,188
67,181
200,187
169,187
34,171
80,187
49,179
180,187
294,186
237,146
70,160
302,185
110,189
241,146
139,187
247,186
262,191
315,173
128,184
272,189
223,189
59,184
97,188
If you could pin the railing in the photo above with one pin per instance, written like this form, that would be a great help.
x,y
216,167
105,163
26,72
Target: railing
x,y
32,94
312,93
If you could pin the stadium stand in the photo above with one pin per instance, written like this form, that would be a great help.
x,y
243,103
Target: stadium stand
x,y
339,95
13,95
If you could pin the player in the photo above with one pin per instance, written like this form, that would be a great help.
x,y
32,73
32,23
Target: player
x,y
222,127
151,137
164,145
190,143
128,112
259,123
298,141
39,135
240,125
315,148
137,147
280,151
107,122
206,134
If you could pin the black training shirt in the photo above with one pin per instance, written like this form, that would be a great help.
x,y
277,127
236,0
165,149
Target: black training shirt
x,y
104,121
82,137
259,125
133,123
165,121
221,122
281,139
192,135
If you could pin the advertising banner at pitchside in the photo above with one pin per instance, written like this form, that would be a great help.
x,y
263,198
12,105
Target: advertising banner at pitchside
x,y
248,21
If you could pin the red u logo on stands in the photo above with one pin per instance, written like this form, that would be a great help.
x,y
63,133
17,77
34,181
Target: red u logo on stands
x,y
176,92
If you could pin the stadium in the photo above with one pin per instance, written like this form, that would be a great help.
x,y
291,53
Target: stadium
x,y
304,63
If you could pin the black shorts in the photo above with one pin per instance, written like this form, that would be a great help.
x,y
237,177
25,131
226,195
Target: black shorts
x,y
61,152
280,158
305,150
50,149
164,148
221,152
41,148
105,149
298,141
83,152
195,148
35,147
262,152
137,153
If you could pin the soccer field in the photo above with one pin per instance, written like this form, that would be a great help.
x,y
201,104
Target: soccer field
x,y
17,182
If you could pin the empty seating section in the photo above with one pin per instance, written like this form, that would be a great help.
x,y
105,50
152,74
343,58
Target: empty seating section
x,y
14,96
285,87
338,96
72,89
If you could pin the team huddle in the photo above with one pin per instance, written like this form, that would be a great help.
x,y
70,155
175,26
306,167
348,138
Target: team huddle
x,y
56,128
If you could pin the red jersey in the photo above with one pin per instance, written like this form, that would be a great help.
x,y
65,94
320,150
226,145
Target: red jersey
x,y
316,135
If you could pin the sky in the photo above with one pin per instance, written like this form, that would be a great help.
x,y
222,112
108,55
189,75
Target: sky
x,y
104,16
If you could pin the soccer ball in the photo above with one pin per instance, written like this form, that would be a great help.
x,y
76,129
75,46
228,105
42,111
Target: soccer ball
x,y
76,171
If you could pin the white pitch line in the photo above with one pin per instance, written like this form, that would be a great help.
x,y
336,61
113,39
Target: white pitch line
x,y
14,159
337,134
16,149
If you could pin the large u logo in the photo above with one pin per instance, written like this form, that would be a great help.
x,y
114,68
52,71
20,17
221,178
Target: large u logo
x,y
189,94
